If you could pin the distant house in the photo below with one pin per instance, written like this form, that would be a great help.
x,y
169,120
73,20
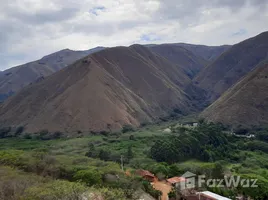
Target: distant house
x,y
210,196
146,175
195,124
176,180
167,130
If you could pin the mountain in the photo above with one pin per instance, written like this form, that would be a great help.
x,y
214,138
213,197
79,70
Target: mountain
x,y
103,91
231,66
14,79
244,104
209,53
182,57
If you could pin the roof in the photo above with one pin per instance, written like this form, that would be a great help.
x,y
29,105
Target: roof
x,y
145,173
188,175
176,180
213,195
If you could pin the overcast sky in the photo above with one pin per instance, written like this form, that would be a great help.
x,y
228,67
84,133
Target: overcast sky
x,y
30,29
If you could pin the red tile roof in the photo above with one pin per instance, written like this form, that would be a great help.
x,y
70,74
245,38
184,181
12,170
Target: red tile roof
x,y
176,180
145,173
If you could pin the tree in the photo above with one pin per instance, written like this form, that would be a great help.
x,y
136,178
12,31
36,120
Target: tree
x,y
127,128
4,132
90,177
57,135
131,137
104,155
19,130
129,153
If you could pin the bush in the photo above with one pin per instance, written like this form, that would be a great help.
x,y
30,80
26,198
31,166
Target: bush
x,y
104,133
60,190
112,194
90,177
131,137
104,155
43,135
27,136
241,131
127,128
57,135
4,132
19,130
149,189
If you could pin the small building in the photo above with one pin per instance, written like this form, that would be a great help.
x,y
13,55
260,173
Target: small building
x,y
146,175
176,180
167,130
195,124
210,196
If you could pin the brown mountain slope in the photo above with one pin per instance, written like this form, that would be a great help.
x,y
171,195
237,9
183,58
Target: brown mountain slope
x,y
117,86
244,104
233,65
209,53
14,79
182,57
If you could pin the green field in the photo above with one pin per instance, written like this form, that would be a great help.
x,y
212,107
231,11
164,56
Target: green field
x,y
92,163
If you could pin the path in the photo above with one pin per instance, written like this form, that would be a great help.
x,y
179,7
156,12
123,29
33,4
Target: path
x,y
163,187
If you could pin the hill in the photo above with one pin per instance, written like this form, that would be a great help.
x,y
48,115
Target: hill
x,y
14,79
244,104
209,53
104,91
231,66
182,57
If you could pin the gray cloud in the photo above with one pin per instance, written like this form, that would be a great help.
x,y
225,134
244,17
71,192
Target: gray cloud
x,y
31,29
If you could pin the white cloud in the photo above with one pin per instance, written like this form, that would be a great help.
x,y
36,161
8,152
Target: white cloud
x,y
30,29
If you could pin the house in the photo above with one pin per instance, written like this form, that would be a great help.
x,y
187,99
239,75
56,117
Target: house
x,y
175,180
146,175
210,196
195,124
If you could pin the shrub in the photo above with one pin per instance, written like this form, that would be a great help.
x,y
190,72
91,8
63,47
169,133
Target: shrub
x,y
104,155
127,128
112,194
60,190
27,136
57,135
104,133
131,137
43,135
149,189
19,130
4,132
241,131
90,177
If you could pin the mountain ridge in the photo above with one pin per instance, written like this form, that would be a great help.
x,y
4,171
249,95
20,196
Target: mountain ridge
x,y
245,104
15,78
232,65
105,90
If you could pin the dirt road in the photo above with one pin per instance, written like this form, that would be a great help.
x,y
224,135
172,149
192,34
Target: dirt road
x,y
163,187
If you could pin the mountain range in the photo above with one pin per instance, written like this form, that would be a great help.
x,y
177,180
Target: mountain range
x,y
232,65
14,79
107,88
246,103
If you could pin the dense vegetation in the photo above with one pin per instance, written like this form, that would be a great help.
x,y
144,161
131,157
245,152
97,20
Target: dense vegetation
x,y
91,165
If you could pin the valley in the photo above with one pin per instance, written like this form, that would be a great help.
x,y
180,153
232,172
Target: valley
x,y
93,158
128,122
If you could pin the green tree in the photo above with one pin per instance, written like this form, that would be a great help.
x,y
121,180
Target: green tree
x,y
89,176
129,153
19,130
104,155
